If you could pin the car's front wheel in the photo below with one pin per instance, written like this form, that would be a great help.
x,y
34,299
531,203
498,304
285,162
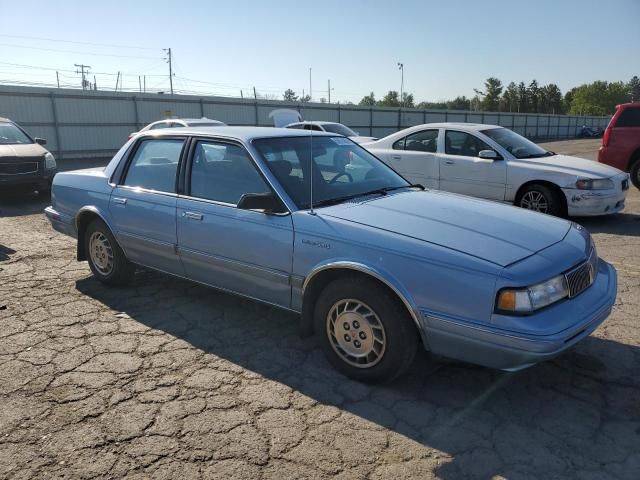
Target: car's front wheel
x,y
364,330
541,198
106,259
634,173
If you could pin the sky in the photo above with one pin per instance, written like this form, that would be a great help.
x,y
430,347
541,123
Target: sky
x,y
448,48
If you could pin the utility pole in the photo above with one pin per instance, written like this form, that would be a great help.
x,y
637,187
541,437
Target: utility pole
x,y
401,68
329,89
144,83
117,80
58,79
95,83
84,70
310,89
168,50
139,84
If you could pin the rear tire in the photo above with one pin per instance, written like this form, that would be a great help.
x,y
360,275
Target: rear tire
x,y
541,198
106,259
364,330
634,172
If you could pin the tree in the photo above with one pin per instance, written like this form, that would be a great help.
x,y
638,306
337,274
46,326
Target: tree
x,y
458,103
391,99
407,100
550,99
523,98
598,98
368,100
634,88
510,98
491,95
290,95
533,93
305,99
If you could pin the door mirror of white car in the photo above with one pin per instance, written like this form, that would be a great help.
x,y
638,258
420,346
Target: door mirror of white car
x,y
488,154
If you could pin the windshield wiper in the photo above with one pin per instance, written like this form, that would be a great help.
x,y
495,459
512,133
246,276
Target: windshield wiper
x,y
380,191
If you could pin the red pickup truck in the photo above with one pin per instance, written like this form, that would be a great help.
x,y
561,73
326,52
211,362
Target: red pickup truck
x,y
621,141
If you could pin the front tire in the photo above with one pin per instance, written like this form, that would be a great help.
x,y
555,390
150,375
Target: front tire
x,y
364,331
541,198
634,172
106,259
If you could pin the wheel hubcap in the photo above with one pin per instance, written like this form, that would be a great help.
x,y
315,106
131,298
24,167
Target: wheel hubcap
x,y
534,200
101,253
356,333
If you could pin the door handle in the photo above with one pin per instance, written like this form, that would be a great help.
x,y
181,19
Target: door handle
x,y
192,215
396,157
449,162
119,200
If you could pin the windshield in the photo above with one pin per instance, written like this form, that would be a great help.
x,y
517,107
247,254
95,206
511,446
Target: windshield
x,y
340,168
515,144
12,135
339,129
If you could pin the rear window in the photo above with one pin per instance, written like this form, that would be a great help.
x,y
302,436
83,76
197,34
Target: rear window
x,y
630,117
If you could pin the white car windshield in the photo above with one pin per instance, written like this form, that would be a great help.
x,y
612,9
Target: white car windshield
x,y
339,129
341,169
516,144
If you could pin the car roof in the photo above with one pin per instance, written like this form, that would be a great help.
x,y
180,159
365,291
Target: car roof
x,y
315,122
466,126
245,134
188,120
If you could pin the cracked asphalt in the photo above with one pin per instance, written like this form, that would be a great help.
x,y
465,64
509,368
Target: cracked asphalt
x,y
167,379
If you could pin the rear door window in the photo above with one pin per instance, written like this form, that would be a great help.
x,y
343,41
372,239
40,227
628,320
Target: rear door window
x,y
630,117
154,165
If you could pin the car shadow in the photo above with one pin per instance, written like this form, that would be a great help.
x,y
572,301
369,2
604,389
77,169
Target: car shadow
x,y
551,418
20,203
619,224
5,252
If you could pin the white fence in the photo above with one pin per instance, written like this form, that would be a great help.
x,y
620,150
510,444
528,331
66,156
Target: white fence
x,y
95,124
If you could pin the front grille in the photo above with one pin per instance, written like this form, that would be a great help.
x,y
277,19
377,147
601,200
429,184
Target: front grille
x,y
581,277
21,168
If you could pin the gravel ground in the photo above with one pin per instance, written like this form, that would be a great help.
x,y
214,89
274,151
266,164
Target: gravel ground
x,y
167,379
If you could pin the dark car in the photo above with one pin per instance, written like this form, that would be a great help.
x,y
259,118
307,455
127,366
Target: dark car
x,y
621,142
24,162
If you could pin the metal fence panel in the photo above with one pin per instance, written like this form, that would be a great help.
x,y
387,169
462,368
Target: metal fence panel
x,y
97,123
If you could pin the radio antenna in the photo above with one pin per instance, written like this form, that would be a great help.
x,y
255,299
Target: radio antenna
x,y
311,211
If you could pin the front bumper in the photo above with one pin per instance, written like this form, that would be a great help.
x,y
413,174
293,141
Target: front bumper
x,y
507,350
596,202
40,179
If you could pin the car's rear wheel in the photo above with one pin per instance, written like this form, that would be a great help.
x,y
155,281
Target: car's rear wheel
x,y
634,172
106,259
365,332
541,198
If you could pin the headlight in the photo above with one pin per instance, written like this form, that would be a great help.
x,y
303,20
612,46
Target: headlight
x,y
598,184
49,161
525,300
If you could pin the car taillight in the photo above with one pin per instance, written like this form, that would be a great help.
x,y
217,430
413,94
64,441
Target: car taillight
x,y
605,137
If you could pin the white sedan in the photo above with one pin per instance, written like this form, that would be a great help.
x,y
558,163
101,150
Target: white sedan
x,y
331,127
495,163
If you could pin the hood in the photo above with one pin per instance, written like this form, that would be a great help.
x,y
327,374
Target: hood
x,y
361,140
500,234
579,167
28,150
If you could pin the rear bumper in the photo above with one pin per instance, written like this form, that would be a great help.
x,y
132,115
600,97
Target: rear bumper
x,y
505,350
60,222
614,158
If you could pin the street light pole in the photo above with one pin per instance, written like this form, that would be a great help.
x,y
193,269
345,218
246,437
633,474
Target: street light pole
x,y
401,68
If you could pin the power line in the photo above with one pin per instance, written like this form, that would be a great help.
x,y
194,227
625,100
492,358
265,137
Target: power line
x,y
75,51
76,42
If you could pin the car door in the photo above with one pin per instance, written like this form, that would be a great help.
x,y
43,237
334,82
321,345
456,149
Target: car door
x,y
463,171
243,251
143,204
415,157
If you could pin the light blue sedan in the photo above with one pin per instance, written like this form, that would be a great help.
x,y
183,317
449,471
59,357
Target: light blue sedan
x,y
319,226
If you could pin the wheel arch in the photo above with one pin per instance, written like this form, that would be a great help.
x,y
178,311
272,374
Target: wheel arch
x,y
554,186
83,218
322,275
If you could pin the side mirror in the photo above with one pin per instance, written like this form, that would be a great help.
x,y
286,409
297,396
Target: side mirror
x,y
267,202
488,154
40,141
